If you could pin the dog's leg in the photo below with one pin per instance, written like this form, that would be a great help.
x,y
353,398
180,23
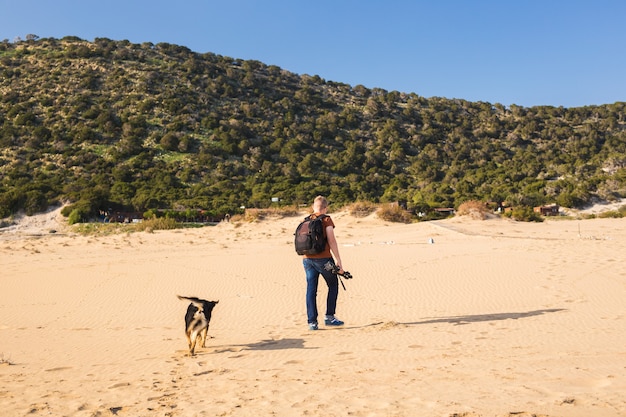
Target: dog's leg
x,y
192,342
188,340
203,335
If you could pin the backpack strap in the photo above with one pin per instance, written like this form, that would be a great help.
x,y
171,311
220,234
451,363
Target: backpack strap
x,y
321,217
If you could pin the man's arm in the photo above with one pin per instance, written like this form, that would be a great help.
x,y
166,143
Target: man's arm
x,y
334,247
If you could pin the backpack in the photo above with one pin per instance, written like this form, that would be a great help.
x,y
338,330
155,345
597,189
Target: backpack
x,y
310,239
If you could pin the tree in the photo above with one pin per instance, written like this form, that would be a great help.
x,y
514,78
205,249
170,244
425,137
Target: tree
x,y
75,115
169,142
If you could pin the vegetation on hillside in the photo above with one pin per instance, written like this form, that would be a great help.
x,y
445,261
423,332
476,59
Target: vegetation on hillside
x,y
111,124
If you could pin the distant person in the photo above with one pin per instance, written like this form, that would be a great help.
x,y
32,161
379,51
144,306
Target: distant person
x,y
314,265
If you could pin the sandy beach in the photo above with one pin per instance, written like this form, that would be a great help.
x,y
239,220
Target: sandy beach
x,y
494,318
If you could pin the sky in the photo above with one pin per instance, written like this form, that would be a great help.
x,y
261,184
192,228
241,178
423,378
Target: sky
x,y
568,53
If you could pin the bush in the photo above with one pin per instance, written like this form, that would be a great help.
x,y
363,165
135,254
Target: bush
x,y
525,214
79,211
77,215
394,213
161,223
252,215
150,214
612,214
148,226
362,208
475,209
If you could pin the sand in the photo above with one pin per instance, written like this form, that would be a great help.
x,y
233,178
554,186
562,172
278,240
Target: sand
x,y
494,318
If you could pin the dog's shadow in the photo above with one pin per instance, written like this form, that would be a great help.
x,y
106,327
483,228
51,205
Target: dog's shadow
x,y
268,344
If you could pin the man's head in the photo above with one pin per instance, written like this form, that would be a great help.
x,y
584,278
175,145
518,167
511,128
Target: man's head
x,y
319,204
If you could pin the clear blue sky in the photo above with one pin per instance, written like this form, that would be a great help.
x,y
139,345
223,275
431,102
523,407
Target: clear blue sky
x,y
527,52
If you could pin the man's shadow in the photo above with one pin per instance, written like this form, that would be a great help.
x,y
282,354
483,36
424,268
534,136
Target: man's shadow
x,y
470,318
476,318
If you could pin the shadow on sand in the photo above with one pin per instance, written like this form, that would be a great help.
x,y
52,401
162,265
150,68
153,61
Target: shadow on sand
x,y
461,320
476,318
293,343
269,344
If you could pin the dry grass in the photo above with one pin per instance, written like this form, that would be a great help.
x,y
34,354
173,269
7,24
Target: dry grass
x,y
252,215
107,229
361,209
161,223
475,209
99,229
394,213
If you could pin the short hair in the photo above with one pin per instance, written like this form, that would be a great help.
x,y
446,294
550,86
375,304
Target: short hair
x,y
320,201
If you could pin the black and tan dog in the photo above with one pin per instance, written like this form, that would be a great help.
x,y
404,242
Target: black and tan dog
x,y
197,320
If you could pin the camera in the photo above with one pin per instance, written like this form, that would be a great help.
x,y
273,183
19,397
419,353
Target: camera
x,y
330,266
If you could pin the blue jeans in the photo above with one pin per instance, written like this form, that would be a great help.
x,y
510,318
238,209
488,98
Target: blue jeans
x,y
313,268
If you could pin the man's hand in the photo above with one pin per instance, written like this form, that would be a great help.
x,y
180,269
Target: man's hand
x,y
337,270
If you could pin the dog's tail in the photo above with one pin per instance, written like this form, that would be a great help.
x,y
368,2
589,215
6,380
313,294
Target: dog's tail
x,y
191,299
197,301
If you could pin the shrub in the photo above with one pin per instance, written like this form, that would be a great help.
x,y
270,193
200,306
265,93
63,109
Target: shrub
x,y
169,142
362,208
160,223
525,214
253,214
612,214
394,213
77,212
99,229
77,215
475,209
150,214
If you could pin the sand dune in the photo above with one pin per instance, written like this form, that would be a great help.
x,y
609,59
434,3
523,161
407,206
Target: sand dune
x,y
495,318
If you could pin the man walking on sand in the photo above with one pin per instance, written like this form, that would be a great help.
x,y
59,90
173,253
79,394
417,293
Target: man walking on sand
x,y
314,267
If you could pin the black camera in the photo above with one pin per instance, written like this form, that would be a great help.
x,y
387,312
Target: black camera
x,y
330,266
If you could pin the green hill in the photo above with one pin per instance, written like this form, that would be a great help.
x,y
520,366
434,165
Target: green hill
x,y
142,126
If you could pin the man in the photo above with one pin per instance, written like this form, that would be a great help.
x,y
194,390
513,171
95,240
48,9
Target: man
x,y
314,266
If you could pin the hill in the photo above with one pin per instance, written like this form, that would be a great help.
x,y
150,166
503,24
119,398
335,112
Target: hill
x,y
142,126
